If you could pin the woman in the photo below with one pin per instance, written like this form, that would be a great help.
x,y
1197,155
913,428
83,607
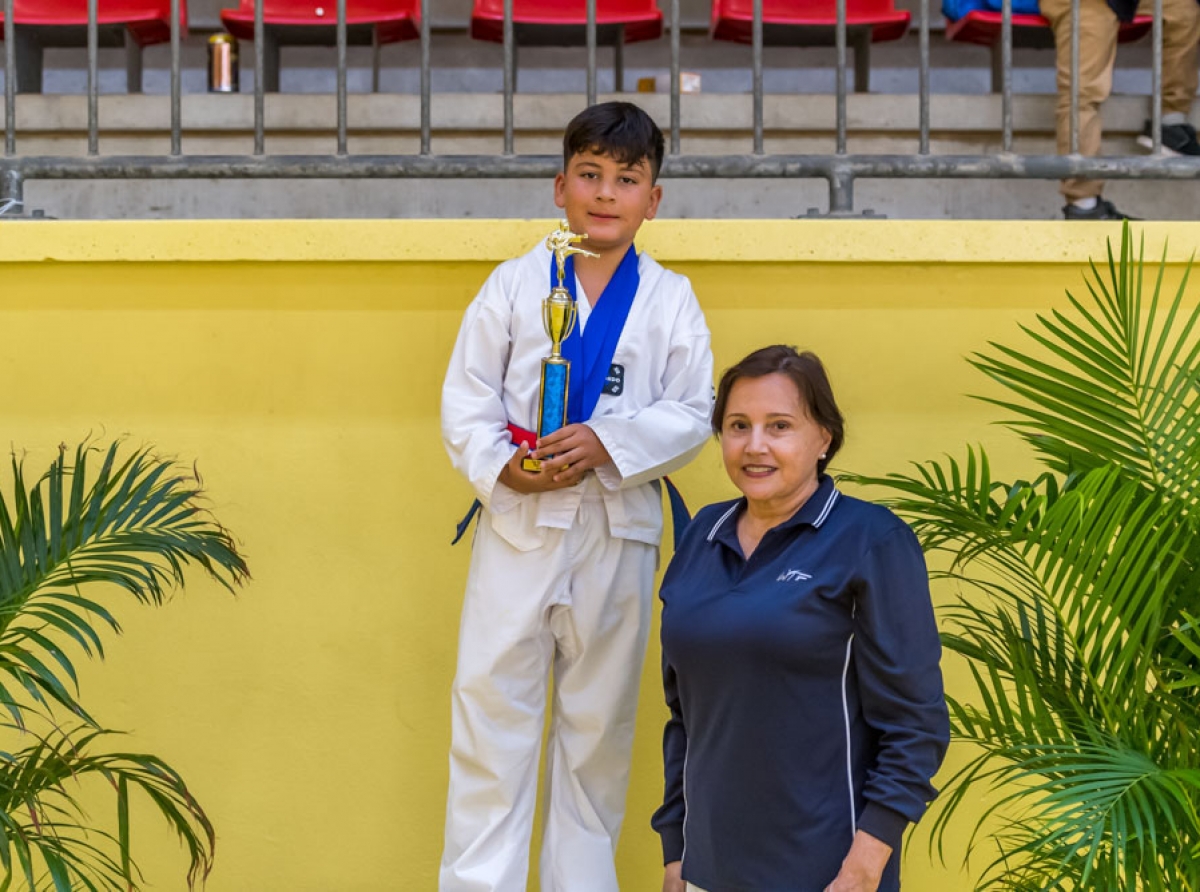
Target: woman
x,y
800,660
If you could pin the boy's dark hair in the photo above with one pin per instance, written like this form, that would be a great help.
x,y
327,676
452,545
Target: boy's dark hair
x,y
807,373
620,130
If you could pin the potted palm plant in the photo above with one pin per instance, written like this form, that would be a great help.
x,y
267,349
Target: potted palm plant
x,y
93,524
1078,594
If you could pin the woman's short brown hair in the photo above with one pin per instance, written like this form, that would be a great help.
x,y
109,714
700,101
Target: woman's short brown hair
x,y
806,372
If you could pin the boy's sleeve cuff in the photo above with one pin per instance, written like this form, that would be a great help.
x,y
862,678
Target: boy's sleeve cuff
x,y
672,842
609,473
883,824
494,495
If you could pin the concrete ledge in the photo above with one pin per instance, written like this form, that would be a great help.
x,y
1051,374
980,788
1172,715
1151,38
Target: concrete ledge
x,y
672,241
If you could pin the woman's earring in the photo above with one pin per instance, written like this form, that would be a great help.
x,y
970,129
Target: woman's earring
x,y
823,454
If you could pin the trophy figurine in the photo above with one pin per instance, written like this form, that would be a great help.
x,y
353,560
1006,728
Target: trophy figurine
x,y
558,317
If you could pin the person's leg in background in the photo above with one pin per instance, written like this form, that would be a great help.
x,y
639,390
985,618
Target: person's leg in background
x,y
1097,54
1181,33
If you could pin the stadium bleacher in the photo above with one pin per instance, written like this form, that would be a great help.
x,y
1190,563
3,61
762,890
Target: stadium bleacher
x,y
467,118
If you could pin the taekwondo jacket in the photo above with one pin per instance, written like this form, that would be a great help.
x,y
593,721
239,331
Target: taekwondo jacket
x,y
805,695
653,416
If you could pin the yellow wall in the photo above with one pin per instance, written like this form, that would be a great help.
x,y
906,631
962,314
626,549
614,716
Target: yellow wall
x,y
301,362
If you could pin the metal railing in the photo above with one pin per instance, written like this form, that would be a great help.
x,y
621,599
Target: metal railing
x,y
840,169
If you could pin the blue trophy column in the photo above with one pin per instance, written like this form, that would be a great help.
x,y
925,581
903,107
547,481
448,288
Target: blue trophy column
x,y
554,397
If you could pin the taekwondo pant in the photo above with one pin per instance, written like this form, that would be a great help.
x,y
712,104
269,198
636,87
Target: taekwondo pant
x,y
580,604
1098,53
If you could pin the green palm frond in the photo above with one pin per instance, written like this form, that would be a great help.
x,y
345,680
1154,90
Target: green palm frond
x,y
1116,565
134,523
100,523
1108,562
1080,581
981,525
1118,384
1110,814
45,839
1181,655
1077,592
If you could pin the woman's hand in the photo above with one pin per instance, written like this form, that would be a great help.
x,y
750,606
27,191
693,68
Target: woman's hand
x,y
863,866
673,878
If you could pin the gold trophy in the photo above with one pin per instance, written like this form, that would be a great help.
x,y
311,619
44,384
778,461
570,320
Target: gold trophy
x,y
558,317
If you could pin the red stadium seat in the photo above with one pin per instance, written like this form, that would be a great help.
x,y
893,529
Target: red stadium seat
x,y
133,24
564,23
813,23
314,23
1028,32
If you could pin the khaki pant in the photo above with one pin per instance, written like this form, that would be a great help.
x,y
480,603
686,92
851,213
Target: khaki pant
x,y
1097,52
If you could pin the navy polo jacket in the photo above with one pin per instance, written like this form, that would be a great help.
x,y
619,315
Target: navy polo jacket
x,y
805,694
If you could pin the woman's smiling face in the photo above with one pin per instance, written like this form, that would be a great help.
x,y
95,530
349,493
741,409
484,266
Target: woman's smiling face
x,y
770,443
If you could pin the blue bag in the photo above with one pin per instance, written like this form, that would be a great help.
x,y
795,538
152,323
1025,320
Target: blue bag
x,y
956,9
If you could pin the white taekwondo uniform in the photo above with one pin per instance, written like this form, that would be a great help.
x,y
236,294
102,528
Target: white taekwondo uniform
x,y
560,579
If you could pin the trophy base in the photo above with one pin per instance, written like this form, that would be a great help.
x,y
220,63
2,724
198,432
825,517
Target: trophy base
x,y
535,465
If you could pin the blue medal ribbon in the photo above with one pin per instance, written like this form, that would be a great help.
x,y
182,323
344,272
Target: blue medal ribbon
x,y
591,353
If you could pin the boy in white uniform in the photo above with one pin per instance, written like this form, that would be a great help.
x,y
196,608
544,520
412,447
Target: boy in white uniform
x,y
562,566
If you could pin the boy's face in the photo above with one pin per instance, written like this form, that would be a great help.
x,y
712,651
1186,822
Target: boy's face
x,y
606,199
